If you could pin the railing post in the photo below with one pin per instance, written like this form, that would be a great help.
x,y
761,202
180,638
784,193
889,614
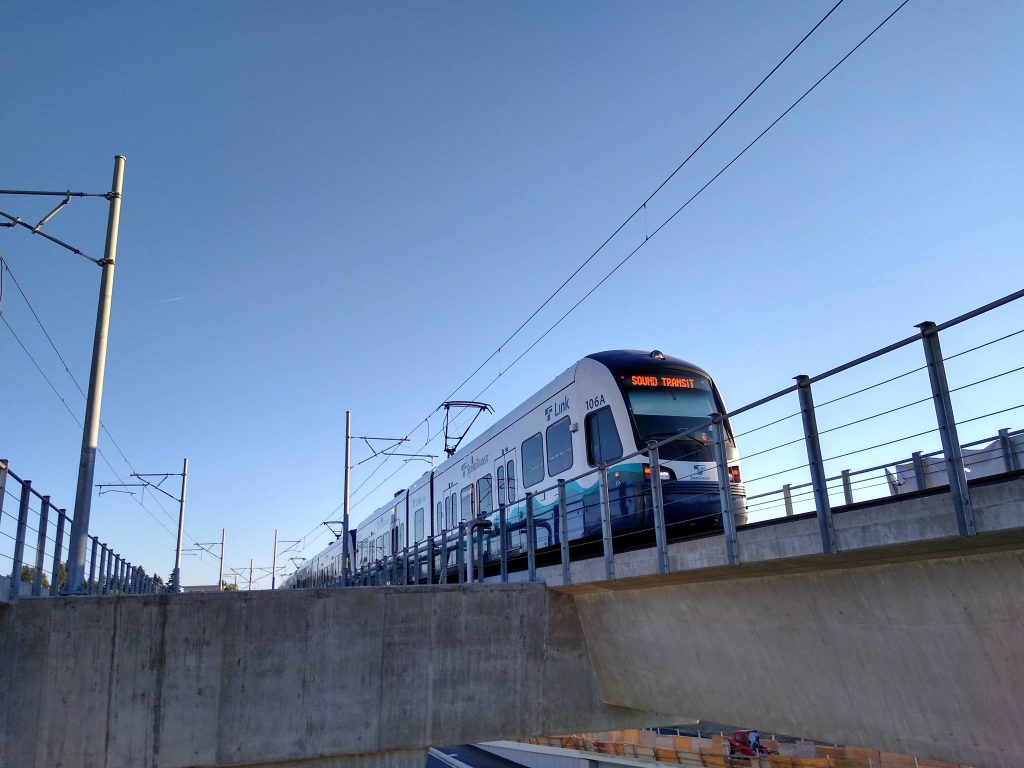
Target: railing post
x,y
481,530
444,558
606,524
44,521
110,570
947,430
127,581
847,487
470,554
724,491
3,484
503,542
58,546
92,585
918,460
19,539
1009,455
416,563
563,527
430,560
822,507
787,499
101,584
531,544
460,553
405,564
658,502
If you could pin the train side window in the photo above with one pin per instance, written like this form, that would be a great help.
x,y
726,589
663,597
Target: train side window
x,y
467,502
484,494
379,549
603,444
440,519
417,525
533,460
447,512
500,472
510,472
559,447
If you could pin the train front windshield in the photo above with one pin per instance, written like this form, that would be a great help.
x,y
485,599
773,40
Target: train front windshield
x,y
665,406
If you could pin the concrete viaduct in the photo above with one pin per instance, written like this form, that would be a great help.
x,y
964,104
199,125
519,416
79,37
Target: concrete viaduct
x,y
910,639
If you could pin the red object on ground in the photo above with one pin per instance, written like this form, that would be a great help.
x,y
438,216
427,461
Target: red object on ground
x,y
747,744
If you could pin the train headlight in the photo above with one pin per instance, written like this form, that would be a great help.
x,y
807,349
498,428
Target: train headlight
x,y
665,474
734,474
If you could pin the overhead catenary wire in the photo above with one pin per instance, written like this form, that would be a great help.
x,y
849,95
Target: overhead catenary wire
x,y
699,192
5,267
655,232
622,225
643,205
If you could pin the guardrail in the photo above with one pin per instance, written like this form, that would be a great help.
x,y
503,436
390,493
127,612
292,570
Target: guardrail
x,y
36,556
793,474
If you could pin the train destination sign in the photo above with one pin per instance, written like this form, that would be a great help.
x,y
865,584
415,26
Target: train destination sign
x,y
663,380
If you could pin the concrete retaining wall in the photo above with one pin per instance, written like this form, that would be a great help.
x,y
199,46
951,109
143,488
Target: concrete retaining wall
x,y
273,677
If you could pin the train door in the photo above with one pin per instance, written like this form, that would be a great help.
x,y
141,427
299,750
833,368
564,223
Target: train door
x,y
506,491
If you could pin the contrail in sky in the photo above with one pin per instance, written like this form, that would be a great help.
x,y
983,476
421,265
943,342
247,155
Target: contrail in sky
x,y
165,301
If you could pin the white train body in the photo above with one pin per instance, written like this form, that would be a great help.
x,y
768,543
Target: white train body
x,y
601,409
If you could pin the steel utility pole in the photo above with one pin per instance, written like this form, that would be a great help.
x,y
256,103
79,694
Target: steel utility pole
x,y
250,574
220,579
176,573
273,567
91,428
344,519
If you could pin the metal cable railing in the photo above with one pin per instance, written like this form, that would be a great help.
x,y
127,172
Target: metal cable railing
x,y
37,549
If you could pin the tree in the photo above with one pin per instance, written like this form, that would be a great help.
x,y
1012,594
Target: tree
x,y
228,587
28,574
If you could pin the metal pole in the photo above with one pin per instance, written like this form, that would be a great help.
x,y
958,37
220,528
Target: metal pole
x,y
443,559
108,578
947,431
658,501
460,555
220,579
273,567
250,574
531,544
44,515
847,487
822,507
91,586
606,523
787,499
19,540
503,545
1009,455
918,459
344,519
480,550
176,573
724,491
101,583
563,524
91,430
58,547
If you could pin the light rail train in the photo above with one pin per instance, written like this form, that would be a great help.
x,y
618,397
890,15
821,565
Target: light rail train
x,y
603,408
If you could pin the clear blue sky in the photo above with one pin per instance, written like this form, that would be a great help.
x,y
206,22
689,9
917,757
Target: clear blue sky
x,y
335,206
